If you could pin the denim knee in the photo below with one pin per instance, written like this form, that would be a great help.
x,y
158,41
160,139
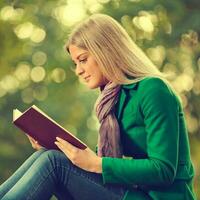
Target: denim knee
x,y
56,158
50,153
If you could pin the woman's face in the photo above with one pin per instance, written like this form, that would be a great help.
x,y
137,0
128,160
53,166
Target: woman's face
x,y
87,67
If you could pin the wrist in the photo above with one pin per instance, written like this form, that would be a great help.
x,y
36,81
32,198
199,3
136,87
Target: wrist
x,y
98,165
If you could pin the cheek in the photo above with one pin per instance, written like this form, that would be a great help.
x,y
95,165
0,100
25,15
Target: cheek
x,y
94,71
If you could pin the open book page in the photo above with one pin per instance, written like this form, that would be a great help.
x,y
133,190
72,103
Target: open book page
x,y
16,114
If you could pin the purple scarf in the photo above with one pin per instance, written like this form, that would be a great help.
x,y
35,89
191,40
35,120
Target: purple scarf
x,y
109,143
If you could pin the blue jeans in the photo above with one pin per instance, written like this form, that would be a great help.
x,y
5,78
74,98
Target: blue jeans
x,y
49,172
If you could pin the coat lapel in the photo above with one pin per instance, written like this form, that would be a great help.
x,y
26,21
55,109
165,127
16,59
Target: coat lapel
x,y
123,97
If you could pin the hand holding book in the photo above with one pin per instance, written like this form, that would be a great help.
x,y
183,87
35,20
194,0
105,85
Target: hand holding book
x,y
34,143
43,129
85,159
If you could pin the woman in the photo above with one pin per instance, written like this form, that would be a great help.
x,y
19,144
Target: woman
x,y
143,149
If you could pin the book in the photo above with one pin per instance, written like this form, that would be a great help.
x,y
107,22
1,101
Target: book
x,y
43,128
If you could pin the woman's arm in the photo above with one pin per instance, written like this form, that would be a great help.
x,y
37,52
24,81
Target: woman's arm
x,y
160,111
85,159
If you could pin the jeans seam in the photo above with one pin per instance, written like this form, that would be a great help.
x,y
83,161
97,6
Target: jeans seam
x,y
69,169
42,181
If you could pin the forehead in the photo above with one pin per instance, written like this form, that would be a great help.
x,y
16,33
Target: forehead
x,y
76,51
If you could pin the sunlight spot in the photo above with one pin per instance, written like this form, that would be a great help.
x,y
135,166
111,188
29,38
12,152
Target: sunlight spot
x,y
22,72
146,24
71,13
192,123
38,35
94,8
157,54
9,83
103,1
183,82
38,74
58,75
9,13
39,58
24,30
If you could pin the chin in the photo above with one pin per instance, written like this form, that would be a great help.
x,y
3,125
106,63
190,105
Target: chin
x,y
93,85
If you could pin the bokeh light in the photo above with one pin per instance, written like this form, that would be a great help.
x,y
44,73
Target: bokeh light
x,y
183,82
38,74
9,83
157,54
70,13
58,75
22,72
39,58
38,35
9,13
24,30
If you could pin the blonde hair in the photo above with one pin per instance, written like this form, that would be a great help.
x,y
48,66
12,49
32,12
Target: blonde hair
x,y
119,58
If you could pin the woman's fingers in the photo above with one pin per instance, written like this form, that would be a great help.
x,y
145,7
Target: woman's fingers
x,y
34,143
72,152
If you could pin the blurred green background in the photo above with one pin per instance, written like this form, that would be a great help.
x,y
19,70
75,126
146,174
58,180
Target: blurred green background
x,y
35,69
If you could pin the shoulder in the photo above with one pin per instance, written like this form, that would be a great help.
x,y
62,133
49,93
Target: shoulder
x,y
153,82
156,90
155,85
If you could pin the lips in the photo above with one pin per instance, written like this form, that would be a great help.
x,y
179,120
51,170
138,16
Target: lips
x,y
87,78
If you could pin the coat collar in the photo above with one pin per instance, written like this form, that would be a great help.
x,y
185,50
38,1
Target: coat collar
x,y
125,88
130,86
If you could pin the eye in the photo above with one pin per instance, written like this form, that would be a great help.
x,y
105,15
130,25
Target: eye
x,y
83,60
74,65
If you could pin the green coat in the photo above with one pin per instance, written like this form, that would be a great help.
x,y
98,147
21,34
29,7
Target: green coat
x,y
155,140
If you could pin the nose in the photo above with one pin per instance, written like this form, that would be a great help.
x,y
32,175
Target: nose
x,y
79,70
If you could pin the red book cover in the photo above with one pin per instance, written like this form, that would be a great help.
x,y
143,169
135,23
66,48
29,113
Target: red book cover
x,y
43,129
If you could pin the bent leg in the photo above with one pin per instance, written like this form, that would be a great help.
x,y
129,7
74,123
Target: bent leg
x,y
39,181
53,173
10,182
84,185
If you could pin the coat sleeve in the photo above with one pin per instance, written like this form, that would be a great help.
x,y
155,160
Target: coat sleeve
x,y
159,108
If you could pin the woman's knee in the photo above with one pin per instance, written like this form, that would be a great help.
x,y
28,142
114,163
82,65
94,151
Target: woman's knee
x,y
52,153
55,157
39,152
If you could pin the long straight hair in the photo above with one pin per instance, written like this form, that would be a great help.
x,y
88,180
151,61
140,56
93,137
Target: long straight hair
x,y
120,60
